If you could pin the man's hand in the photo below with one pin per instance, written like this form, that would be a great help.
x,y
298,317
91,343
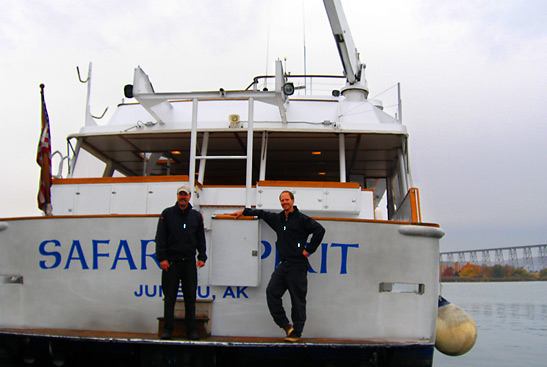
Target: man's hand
x,y
306,253
164,265
200,264
238,214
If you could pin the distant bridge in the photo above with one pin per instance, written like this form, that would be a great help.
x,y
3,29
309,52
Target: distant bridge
x,y
531,258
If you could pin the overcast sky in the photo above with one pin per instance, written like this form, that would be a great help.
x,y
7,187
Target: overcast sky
x,y
473,78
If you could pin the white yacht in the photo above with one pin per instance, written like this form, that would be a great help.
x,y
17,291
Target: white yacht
x,y
88,274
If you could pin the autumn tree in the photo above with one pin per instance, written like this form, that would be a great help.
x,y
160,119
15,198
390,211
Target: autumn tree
x,y
449,272
471,271
498,271
520,272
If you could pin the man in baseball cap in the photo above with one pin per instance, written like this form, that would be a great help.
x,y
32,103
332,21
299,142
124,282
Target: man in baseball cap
x,y
179,235
183,189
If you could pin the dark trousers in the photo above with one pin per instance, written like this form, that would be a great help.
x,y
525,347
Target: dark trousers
x,y
184,273
294,278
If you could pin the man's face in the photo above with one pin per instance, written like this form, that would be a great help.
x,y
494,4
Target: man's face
x,y
183,199
286,202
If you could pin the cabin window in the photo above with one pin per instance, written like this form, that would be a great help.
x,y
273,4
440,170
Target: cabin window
x,y
303,157
395,190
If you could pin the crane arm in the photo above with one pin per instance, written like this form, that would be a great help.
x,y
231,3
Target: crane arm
x,y
344,42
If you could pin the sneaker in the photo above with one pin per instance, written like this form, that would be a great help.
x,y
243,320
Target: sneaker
x,y
166,335
294,336
193,335
288,329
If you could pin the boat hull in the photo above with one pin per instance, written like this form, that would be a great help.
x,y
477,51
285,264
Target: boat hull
x,y
369,280
63,347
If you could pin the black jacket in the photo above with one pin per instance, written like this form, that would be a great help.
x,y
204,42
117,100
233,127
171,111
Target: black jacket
x,y
292,232
179,234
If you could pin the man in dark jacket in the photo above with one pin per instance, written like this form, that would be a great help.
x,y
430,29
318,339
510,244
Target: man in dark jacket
x,y
293,229
179,234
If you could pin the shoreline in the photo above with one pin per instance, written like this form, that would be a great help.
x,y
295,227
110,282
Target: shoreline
x,y
489,280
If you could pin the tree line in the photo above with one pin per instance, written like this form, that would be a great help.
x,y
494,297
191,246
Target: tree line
x,y
484,272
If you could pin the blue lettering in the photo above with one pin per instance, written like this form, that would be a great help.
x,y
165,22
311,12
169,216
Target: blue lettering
x,y
55,254
310,269
241,292
267,249
229,292
149,294
144,255
204,295
53,258
129,258
324,248
202,292
76,246
344,248
96,253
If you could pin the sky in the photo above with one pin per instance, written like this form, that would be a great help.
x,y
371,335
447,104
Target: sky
x,y
473,80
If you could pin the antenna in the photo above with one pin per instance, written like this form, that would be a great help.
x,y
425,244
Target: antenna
x,y
267,55
304,31
267,48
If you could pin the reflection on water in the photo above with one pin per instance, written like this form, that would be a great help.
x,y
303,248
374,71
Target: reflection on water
x,y
511,319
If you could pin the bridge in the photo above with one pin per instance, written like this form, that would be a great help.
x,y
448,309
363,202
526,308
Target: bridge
x,y
531,258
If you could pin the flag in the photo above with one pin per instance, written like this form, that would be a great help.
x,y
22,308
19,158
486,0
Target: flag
x,y
43,159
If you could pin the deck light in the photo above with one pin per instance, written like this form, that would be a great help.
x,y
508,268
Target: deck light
x,y
288,89
128,91
316,153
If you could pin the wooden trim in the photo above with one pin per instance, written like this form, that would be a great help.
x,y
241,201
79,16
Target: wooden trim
x,y
415,204
83,216
333,219
346,185
376,221
232,217
224,186
101,180
223,216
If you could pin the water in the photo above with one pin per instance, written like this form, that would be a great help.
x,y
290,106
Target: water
x,y
511,320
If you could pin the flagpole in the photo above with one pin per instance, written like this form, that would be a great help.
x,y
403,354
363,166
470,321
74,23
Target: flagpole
x,y
43,159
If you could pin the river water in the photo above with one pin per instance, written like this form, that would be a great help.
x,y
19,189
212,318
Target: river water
x,y
511,320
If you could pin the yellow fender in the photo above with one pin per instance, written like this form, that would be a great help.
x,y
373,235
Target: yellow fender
x,y
456,330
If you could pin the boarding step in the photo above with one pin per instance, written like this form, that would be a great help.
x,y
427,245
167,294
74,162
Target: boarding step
x,y
203,327
203,319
